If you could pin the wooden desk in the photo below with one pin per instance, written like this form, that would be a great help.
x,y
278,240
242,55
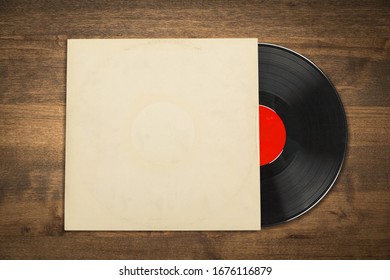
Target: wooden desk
x,y
349,41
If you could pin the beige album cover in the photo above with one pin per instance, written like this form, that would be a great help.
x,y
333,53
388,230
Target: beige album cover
x,y
162,134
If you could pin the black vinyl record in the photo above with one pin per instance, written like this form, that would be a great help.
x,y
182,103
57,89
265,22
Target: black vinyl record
x,y
316,134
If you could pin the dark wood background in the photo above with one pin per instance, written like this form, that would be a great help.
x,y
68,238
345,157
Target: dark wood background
x,y
349,40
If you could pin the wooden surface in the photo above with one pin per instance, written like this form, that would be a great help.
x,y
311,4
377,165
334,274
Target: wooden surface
x,y
350,42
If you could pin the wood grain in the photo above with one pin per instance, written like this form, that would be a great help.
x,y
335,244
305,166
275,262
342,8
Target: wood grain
x,y
349,41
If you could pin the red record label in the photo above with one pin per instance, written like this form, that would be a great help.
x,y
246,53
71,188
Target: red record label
x,y
272,135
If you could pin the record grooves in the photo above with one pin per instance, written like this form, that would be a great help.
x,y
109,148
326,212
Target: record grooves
x,y
316,134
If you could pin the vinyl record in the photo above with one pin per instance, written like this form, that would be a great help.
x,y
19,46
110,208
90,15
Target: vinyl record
x,y
304,162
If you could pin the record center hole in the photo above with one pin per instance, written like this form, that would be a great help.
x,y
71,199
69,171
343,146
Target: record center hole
x,y
272,135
